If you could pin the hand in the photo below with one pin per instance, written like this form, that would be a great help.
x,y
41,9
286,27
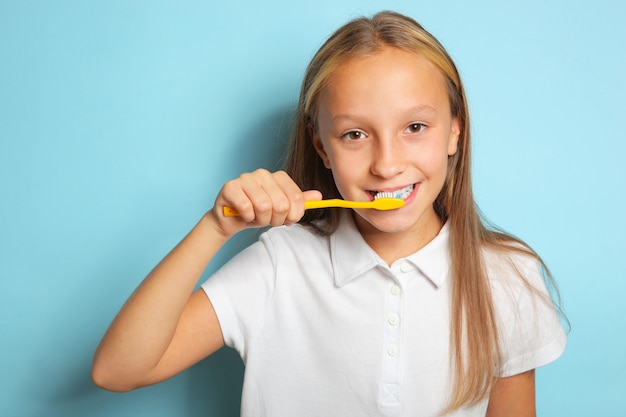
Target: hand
x,y
262,198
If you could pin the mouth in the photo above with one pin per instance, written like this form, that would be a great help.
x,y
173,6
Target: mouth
x,y
402,193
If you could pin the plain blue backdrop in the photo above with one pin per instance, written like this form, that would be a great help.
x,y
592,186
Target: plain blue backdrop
x,y
120,121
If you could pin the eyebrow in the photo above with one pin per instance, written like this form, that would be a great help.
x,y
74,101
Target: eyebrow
x,y
417,111
422,109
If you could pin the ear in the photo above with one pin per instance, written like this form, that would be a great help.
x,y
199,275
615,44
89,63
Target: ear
x,y
455,132
319,146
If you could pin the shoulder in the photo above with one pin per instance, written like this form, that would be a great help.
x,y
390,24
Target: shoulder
x,y
521,288
293,238
286,244
531,334
513,266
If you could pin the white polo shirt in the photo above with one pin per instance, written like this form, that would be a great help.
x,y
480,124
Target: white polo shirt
x,y
326,328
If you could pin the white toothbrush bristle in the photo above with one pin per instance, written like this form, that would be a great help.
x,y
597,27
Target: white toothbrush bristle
x,y
402,193
384,194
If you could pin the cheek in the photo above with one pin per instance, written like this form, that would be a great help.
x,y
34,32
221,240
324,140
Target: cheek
x,y
346,162
346,173
343,173
433,160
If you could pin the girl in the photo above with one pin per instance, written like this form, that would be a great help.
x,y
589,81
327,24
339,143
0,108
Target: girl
x,y
421,310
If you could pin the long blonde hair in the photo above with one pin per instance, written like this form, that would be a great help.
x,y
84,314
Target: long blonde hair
x,y
475,351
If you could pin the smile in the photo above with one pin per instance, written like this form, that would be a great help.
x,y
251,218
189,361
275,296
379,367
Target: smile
x,y
402,193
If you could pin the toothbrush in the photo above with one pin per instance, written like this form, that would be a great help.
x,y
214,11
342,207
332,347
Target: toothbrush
x,y
384,203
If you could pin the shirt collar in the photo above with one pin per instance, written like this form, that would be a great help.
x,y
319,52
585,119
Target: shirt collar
x,y
351,256
433,260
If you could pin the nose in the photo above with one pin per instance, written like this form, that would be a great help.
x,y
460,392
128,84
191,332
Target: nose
x,y
388,159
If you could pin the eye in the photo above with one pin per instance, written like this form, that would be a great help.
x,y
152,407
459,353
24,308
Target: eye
x,y
416,128
354,135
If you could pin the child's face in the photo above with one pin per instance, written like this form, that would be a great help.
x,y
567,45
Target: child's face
x,y
384,124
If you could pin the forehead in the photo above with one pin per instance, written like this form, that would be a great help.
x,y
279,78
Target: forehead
x,y
389,77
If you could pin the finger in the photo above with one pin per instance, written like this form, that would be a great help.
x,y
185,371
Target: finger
x,y
283,194
260,191
312,195
235,193
293,194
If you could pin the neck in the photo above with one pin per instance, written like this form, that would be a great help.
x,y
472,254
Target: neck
x,y
393,246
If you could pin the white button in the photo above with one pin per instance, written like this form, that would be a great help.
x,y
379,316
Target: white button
x,y
395,290
392,350
393,319
405,267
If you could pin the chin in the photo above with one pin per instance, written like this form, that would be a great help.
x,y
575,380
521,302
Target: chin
x,y
384,222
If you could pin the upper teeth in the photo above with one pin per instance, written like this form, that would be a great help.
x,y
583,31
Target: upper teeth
x,y
401,193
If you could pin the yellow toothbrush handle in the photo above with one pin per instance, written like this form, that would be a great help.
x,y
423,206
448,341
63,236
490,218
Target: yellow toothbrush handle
x,y
333,202
380,204
309,204
230,212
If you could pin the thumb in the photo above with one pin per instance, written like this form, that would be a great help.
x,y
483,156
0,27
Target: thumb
x,y
312,195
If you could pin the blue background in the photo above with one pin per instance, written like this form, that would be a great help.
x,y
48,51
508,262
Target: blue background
x,y
120,121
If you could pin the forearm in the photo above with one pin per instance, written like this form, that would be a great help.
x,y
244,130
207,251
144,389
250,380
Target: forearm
x,y
142,331
513,396
162,328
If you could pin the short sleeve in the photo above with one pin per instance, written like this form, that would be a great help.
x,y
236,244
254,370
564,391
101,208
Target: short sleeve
x,y
531,334
240,292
